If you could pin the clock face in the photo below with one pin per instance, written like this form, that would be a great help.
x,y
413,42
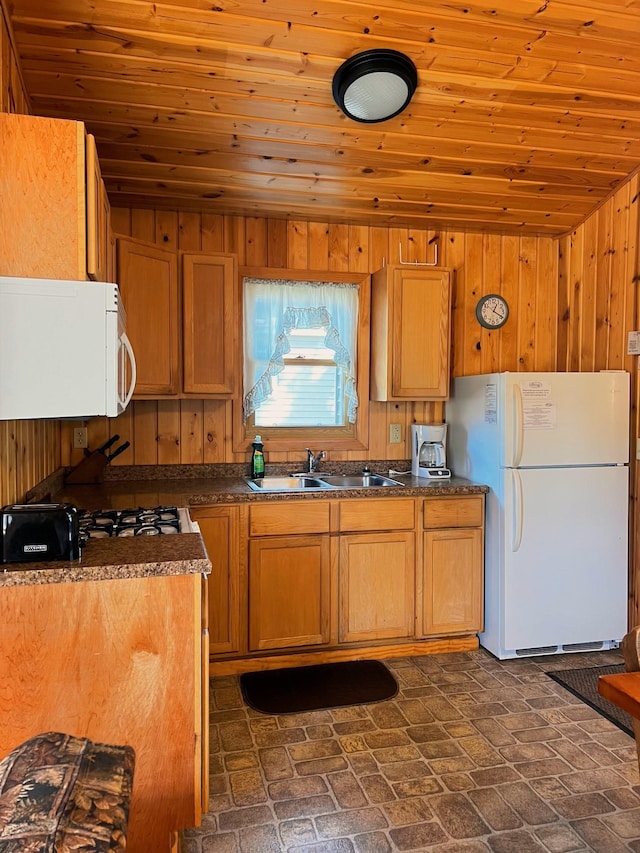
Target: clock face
x,y
492,311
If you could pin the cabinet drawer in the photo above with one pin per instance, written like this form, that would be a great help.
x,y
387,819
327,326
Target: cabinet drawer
x,y
374,514
454,512
276,519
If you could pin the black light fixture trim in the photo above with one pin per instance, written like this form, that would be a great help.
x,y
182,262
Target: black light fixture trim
x,y
376,61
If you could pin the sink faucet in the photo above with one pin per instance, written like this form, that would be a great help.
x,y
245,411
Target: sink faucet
x,y
313,460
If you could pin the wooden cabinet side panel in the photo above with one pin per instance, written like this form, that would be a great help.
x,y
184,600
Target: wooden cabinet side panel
x,y
42,214
117,661
381,319
96,251
377,586
148,282
219,528
289,592
453,581
210,324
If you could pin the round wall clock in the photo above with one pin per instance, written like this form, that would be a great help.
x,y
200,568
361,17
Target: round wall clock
x,y
492,311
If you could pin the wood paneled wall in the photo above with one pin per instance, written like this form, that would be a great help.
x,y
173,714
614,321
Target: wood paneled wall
x,y
29,450
523,268
598,306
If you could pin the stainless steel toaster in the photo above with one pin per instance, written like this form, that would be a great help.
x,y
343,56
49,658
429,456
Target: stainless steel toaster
x,y
39,532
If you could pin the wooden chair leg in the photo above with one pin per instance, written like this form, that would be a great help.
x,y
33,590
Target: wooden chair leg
x,y
631,654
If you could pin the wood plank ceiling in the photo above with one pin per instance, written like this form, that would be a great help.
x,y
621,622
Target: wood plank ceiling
x,y
525,117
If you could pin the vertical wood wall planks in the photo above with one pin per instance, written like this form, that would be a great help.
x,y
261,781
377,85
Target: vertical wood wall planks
x,y
318,233
145,433
168,439
276,243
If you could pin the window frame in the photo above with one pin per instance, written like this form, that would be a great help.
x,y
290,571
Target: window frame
x,y
282,439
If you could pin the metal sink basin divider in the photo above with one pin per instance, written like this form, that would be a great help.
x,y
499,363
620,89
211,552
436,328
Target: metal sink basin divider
x,y
304,482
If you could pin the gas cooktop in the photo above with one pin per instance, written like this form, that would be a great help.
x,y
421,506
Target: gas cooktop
x,y
99,524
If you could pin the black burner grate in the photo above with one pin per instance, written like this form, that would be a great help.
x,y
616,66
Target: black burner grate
x,y
99,524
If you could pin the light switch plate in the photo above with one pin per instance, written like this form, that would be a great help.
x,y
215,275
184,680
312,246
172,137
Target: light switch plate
x,y
395,433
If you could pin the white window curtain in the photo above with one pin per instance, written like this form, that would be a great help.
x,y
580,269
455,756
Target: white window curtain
x,y
272,308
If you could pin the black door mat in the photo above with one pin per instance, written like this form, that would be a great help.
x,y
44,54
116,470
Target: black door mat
x,y
313,688
583,683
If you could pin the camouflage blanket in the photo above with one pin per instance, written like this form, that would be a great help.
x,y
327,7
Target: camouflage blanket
x,y
63,794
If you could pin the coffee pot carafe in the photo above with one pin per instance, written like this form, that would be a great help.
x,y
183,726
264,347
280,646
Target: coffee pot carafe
x,y
429,451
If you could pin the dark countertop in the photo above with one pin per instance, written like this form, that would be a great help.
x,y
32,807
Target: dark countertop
x,y
191,492
110,559
148,556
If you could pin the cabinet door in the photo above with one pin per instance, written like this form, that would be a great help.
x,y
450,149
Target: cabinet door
x,y
210,324
42,207
148,280
289,595
410,334
377,586
453,581
98,218
220,531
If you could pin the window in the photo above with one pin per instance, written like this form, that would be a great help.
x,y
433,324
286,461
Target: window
x,y
309,390
302,348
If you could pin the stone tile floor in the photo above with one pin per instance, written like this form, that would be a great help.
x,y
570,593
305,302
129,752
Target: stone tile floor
x,y
473,755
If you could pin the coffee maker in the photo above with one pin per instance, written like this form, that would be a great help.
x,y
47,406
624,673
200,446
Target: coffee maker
x,y
429,451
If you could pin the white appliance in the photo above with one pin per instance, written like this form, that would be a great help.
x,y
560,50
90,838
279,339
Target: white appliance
x,y
554,450
63,349
429,451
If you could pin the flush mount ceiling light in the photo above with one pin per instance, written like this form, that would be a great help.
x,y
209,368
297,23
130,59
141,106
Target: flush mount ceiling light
x,y
375,85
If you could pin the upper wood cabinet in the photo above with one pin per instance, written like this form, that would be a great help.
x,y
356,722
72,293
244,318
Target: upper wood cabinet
x,y
209,323
99,237
182,320
410,333
148,279
44,229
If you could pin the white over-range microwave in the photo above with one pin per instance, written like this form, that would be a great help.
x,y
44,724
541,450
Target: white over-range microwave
x,y
64,351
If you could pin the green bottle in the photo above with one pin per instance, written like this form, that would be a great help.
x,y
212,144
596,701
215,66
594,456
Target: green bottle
x,y
257,459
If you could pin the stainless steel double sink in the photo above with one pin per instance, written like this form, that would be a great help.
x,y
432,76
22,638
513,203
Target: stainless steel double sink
x,y
317,482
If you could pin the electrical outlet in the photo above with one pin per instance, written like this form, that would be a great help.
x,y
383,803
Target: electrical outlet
x,y
80,440
395,433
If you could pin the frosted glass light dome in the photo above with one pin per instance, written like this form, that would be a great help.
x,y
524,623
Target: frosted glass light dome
x,y
375,85
376,96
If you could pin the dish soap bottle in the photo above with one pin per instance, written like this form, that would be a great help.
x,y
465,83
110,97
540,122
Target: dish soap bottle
x,y
257,459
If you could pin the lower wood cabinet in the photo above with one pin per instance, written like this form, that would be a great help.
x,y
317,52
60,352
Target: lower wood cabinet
x,y
377,586
453,565
307,575
220,530
289,592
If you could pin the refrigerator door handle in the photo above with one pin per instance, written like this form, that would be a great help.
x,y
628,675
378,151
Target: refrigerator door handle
x,y
518,432
518,511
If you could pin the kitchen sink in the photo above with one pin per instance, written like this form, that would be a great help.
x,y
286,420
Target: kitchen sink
x,y
286,484
302,482
357,481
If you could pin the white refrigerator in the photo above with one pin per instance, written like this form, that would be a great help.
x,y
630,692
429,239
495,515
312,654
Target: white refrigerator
x,y
554,450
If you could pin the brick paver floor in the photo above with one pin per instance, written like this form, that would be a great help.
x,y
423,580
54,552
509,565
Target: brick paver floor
x,y
473,755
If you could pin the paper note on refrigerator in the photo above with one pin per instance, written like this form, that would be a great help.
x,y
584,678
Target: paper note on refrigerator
x,y
539,415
